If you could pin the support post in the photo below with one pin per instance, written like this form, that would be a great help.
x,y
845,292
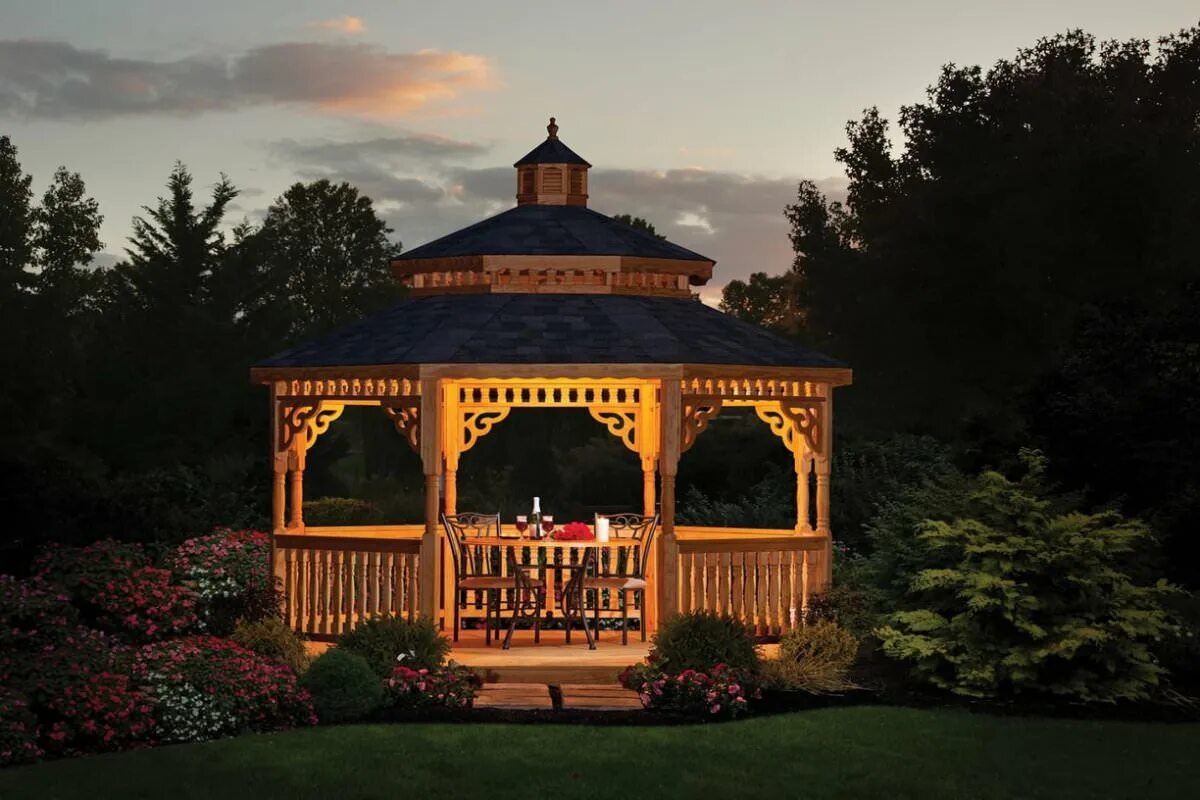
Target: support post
x,y
823,470
453,433
296,462
670,426
431,464
804,463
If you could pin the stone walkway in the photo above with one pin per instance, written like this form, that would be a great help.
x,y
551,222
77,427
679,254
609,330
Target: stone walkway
x,y
557,697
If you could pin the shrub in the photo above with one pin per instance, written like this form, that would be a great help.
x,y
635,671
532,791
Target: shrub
x,y
230,572
76,683
96,713
343,687
208,687
341,511
450,686
60,660
33,613
117,590
270,637
721,691
18,730
700,639
1017,598
386,641
144,605
814,658
82,571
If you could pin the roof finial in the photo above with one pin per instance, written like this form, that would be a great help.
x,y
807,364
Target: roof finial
x,y
552,129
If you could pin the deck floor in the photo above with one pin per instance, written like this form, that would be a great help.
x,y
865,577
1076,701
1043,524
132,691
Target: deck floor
x,y
551,661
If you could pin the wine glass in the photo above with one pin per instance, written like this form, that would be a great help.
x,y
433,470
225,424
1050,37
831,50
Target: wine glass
x,y
548,524
522,524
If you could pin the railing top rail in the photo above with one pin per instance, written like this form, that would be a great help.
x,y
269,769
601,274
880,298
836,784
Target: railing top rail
x,y
309,541
752,544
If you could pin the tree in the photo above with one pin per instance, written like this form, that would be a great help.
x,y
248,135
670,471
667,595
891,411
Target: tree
x,y
957,273
770,302
16,220
325,259
66,236
176,250
639,223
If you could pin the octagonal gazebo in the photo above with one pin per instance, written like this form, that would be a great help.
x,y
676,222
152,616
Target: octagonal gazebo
x,y
551,305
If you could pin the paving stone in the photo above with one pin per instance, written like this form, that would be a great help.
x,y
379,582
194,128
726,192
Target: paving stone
x,y
599,697
514,695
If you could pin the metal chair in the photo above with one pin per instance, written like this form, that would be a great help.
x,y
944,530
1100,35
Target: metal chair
x,y
476,571
639,530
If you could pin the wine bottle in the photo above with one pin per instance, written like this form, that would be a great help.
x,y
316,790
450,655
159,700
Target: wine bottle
x,y
535,518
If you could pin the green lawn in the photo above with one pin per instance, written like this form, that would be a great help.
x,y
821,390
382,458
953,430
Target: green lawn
x,y
854,752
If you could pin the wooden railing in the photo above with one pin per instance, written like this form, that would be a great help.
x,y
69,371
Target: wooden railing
x,y
334,578
763,577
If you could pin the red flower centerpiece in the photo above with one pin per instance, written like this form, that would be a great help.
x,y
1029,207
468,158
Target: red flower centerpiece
x,y
575,532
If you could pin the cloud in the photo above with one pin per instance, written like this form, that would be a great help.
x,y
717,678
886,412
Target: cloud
x,y
425,190
345,24
409,147
57,80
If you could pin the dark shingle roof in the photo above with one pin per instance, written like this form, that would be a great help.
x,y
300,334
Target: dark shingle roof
x,y
550,329
552,151
551,231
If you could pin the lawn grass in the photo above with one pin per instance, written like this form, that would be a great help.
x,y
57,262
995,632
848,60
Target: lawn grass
x,y
850,752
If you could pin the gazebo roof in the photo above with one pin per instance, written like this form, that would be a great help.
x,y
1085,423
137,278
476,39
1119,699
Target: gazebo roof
x,y
550,329
552,151
551,231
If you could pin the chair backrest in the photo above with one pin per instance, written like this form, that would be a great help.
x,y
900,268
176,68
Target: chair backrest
x,y
468,524
639,529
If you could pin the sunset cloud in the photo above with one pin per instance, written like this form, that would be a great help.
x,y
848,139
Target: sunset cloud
x,y
341,24
426,188
58,80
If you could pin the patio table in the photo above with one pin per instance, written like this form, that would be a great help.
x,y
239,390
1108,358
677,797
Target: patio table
x,y
573,558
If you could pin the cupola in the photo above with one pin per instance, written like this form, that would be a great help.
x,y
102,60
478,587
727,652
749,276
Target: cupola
x,y
552,174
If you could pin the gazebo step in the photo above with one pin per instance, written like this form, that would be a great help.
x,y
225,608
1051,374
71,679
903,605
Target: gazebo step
x,y
598,697
524,696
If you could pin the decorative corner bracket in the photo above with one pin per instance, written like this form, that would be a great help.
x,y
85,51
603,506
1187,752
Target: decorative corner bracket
x,y
406,418
697,413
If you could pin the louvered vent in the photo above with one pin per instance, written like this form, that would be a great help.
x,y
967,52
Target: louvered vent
x,y
552,180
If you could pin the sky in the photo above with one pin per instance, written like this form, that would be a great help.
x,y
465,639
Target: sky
x,y
699,116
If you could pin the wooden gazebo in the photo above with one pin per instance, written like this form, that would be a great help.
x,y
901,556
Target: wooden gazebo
x,y
551,305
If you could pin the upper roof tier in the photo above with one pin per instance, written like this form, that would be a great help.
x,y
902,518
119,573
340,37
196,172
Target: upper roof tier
x,y
551,242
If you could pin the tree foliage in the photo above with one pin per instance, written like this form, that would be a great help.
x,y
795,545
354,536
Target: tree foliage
x,y
325,256
1020,197
1014,597
639,223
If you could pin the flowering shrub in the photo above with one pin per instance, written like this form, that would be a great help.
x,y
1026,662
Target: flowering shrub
x,y
208,687
95,713
575,532
144,605
77,685
18,730
230,571
452,686
32,613
82,570
722,692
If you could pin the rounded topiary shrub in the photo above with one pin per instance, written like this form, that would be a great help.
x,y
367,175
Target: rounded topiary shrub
x,y
386,642
700,640
341,511
270,637
343,687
